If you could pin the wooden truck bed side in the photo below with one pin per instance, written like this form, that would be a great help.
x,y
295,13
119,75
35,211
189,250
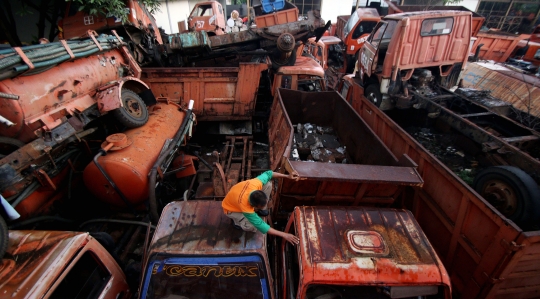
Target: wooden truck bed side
x,y
486,255
220,94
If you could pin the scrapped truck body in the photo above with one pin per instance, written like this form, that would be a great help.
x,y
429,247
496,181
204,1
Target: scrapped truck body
x,y
406,44
196,253
55,264
219,93
486,254
353,31
362,175
49,102
277,40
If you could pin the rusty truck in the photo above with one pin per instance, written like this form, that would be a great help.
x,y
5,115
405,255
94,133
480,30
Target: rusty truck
x,y
343,252
57,264
276,34
49,95
486,254
431,45
353,31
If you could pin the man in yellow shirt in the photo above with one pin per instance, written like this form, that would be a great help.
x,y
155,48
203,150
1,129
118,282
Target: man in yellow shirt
x,y
249,198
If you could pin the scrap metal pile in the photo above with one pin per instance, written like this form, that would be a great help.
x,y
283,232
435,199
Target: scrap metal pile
x,y
318,144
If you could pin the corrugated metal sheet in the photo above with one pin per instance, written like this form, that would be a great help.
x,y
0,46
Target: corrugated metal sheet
x,y
192,227
35,259
522,91
366,244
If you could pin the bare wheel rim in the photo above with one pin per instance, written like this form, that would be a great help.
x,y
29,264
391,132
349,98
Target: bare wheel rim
x,y
133,107
372,98
501,196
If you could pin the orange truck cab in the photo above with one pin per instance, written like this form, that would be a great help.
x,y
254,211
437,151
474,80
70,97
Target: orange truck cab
x,y
328,52
344,252
55,264
417,48
353,30
207,16
306,75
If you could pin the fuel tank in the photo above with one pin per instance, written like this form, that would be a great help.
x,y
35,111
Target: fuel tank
x,y
45,98
128,167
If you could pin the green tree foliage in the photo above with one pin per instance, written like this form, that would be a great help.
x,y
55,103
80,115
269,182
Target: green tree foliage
x,y
115,8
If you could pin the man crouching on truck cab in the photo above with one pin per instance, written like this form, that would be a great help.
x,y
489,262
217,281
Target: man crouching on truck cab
x,y
247,200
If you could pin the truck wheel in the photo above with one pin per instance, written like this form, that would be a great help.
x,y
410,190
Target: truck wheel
x,y
9,145
511,191
4,237
373,94
134,112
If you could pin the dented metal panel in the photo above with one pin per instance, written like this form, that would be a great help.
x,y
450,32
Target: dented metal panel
x,y
365,246
37,261
197,227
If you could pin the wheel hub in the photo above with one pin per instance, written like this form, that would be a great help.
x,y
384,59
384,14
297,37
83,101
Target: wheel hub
x,y
501,195
133,108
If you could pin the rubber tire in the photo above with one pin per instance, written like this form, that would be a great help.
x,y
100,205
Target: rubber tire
x,y
124,117
527,192
4,237
373,89
12,142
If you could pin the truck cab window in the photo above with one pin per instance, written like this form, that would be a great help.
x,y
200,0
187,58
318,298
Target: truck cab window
x,y
345,90
85,280
309,83
363,28
437,26
204,10
207,277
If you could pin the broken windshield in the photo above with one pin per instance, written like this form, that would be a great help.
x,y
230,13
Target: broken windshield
x,y
205,277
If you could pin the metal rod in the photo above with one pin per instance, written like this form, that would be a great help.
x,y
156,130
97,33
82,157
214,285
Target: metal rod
x,y
8,96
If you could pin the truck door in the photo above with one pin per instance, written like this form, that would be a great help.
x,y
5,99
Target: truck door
x,y
368,55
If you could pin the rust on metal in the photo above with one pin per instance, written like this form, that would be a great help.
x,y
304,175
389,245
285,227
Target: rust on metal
x,y
68,49
25,58
183,230
127,167
36,260
463,228
348,244
220,94
372,174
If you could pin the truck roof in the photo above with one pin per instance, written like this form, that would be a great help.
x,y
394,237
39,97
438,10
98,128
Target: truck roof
x,y
181,231
366,244
427,14
330,39
35,259
303,66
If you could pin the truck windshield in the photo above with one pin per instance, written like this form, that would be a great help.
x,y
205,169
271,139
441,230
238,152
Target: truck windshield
x,y
310,84
350,24
205,277
363,28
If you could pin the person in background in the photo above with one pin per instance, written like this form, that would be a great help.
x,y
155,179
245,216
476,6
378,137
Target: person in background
x,y
247,201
